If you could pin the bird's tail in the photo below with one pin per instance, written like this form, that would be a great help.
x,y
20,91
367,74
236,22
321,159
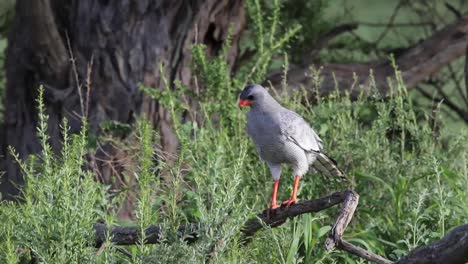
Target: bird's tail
x,y
327,166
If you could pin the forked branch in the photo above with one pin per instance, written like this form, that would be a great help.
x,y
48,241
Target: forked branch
x,y
453,248
350,201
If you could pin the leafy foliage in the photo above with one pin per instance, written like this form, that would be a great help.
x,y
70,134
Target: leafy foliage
x,y
61,201
412,181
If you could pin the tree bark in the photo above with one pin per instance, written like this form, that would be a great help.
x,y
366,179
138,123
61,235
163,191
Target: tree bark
x,y
125,41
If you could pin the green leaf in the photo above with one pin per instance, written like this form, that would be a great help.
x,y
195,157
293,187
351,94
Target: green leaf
x,y
323,230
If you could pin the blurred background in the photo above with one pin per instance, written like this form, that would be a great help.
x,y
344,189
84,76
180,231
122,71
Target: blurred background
x,y
152,87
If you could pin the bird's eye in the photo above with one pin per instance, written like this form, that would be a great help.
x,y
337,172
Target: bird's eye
x,y
250,97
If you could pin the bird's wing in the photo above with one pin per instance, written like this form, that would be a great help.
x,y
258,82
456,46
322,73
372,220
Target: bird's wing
x,y
296,129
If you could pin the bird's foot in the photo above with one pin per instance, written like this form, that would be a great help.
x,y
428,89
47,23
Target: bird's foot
x,y
288,203
274,206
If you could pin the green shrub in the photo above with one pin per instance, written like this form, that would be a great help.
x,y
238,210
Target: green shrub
x,y
412,181
60,203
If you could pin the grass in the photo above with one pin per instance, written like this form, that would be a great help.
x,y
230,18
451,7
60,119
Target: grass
x,y
411,182
61,201
411,178
412,188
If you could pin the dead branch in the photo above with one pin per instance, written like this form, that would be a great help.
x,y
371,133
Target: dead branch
x,y
279,216
326,38
346,246
130,235
453,248
400,4
350,201
453,9
456,81
274,218
401,24
416,64
446,101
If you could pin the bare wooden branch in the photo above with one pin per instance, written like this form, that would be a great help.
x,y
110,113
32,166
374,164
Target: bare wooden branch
x,y
358,251
453,9
120,235
453,248
397,8
335,239
446,101
346,214
130,235
401,24
350,201
279,216
456,81
326,38
416,64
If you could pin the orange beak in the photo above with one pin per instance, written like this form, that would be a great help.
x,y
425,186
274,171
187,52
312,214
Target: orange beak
x,y
243,103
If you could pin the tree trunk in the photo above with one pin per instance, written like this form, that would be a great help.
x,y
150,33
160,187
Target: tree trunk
x,y
125,41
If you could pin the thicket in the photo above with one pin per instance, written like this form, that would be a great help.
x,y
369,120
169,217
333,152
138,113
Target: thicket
x,y
411,174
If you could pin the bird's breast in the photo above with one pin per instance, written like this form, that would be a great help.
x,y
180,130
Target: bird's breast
x,y
271,144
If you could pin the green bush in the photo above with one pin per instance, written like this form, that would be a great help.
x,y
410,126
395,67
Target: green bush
x,y
412,183
60,203
411,179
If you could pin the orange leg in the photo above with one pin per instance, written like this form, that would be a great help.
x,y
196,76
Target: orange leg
x,y
292,201
273,204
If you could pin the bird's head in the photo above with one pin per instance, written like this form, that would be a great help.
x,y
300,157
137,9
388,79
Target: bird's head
x,y
252,94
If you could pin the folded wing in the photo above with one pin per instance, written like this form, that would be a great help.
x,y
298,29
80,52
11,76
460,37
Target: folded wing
x,y
296,129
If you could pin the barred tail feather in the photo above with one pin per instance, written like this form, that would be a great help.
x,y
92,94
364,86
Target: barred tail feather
x,y
327,166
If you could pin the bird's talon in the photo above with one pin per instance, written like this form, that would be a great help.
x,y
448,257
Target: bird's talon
x,y
288,203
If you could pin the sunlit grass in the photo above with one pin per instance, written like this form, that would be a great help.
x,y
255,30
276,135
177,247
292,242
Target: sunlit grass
x,y
412,182
412,187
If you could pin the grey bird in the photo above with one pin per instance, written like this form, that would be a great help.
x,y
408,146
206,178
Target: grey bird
x,y
283,137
